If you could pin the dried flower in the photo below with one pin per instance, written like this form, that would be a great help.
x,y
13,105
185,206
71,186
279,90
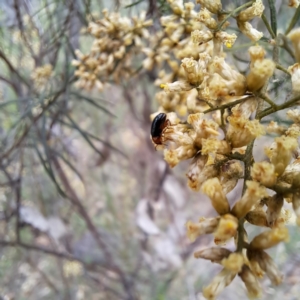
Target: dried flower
x,y
251,283
256,53
280,153
194,72
199,172
242,131
206,18
275,204
226,38
270,238
234,262
264,173
253,194
213,189
260,72
217,285
204,226
251,12
247,29
213,254
257,217
226,229
199,36
214,6
176,86
266,264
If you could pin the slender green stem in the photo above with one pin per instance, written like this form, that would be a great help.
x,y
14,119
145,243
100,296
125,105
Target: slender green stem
x,y
273,16
283,69
232,13
294,20
268,26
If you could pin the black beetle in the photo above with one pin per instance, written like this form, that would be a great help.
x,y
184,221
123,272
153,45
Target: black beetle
x,y
159,123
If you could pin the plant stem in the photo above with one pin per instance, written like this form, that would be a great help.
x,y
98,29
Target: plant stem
x,y
273,16
268,26
271,110
293,21
227,105
283,69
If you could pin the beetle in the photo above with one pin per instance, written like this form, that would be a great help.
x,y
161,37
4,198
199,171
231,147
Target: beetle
x,y
158,126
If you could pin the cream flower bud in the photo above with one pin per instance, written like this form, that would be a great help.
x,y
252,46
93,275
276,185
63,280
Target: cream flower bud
x,y
213,189
234,262
214,6
293,131
226,229
194,73
206,18
257,217
264,173
273,127
199,36
200,172
294,115
204,128
251,12
256,53
215,146
296,206
204,226
294,70
218,65
280,153
242,131
176,6
174,156
259,74
266,264
253,194
226,38
270,238
214,254
223,279
275,204
177,86
292,173
251,283
294,36
250,32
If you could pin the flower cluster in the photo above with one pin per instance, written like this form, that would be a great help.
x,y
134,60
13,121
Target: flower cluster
x,y
224,109
116,41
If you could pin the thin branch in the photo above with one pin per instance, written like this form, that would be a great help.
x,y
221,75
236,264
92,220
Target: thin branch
x,y
227,105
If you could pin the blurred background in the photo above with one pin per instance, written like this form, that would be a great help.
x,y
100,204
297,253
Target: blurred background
x,y
88,208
